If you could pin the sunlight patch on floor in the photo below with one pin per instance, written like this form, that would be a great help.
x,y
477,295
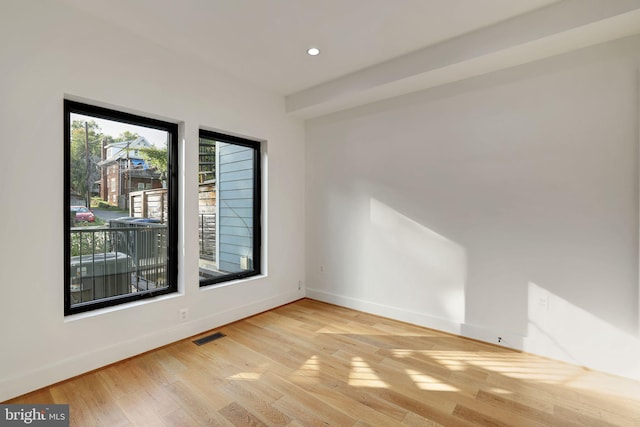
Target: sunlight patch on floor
x,y
361,375
512,365
450,363
497,390
245,376
309,372
426,382
401,353
311,367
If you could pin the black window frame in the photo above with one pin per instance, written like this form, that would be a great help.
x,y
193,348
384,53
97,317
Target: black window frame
x,y
172,188
257,205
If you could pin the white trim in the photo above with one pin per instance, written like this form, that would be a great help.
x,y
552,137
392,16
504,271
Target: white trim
x,y
421,319
638,176
397,313
96,358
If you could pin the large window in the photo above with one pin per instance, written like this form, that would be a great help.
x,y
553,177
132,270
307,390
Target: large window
x,y
229,207
120,207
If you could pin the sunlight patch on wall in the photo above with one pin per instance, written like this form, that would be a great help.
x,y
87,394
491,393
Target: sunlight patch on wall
x,y
361,375
561,330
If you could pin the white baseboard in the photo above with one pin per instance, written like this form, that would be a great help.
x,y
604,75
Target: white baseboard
x,y
504,339
61,370
627,366
392,312
417,318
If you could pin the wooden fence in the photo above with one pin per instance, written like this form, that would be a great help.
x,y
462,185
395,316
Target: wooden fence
x,y
207,221
149,204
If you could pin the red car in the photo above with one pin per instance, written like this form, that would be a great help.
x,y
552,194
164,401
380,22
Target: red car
x,y
83,214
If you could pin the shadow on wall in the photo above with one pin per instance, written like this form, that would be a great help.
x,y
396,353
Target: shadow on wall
x,y
429,274
386,262
428,270
564,331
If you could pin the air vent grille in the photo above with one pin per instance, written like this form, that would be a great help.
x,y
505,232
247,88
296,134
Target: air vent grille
x,y
209,338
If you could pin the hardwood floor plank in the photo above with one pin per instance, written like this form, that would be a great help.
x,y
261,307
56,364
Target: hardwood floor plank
x,y
239,416
362,406
198,406
179,418
298,403
511,405
65,393
157,368
597,419
415,420
140,408
42,396
101,407
255,401
124,378
478,418
314,364
424,408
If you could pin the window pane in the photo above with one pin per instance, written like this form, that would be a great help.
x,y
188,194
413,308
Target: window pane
x,y
229,219
119,208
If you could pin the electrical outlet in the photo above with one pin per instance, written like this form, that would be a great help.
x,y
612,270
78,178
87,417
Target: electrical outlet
x,y
184,314
299,284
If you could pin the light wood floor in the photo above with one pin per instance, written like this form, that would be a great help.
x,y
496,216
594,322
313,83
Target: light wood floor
x,y
314,364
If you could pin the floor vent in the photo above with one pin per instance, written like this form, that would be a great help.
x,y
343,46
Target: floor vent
x,y
209,338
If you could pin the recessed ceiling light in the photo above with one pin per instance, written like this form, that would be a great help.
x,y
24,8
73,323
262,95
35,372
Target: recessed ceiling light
x,y
313,51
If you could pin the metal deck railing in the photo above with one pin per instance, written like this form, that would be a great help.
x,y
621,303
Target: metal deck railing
x,y
127,256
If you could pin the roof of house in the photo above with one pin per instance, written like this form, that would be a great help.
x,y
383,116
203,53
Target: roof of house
x,y
123,150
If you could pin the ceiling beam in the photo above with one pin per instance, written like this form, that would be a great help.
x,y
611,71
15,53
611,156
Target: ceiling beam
x,y
552,30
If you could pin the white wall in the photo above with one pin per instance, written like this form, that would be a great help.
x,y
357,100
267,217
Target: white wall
x,y
49,51
502,206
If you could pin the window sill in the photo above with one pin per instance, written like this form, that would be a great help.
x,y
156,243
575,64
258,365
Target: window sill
x,y
233,282
120,307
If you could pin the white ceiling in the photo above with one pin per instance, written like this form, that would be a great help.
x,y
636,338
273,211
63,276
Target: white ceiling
x,y
264,41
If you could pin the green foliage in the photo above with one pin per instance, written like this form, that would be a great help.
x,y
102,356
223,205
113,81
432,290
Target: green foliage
x,y
126,136
103,205
85,154
156,158
97,202
90,243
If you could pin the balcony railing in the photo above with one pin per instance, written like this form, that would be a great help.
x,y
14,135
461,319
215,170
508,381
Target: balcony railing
x,y
125,257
